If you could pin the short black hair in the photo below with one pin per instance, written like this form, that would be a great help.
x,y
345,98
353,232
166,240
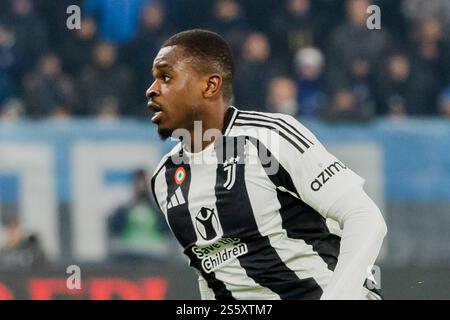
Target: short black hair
x,y
211,53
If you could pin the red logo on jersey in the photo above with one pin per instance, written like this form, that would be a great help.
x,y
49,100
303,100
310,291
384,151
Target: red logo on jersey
x,y
180,175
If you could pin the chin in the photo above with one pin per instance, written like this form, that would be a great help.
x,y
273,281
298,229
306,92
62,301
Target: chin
x,y
164,133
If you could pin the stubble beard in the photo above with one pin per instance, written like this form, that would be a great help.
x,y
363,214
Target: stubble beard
x,y
164,134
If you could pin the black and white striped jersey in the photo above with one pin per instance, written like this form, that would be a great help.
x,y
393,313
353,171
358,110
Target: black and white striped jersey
x,y
250,209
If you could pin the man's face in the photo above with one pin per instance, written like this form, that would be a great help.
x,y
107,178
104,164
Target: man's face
x,y
176,92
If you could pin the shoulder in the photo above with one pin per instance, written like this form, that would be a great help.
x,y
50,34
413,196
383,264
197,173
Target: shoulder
x,y
268,120
278,125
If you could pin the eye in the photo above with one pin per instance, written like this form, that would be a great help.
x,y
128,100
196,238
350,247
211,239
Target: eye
x,y
166,78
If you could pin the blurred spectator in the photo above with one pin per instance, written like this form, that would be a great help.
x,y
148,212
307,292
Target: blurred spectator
x,y
432,47
345,108
354,40
76,50
20,249
8,63
444,103
61,113
360,80
416,10
392,19
430,66
47,86
394,83
138,53
292,28
228,19
153,31
117,20
309,63
104,76
11,110
30,33
253,72
107,109
282,96
354,99
136,230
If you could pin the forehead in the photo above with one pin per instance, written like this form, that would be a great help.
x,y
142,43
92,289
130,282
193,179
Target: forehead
x,y
172,56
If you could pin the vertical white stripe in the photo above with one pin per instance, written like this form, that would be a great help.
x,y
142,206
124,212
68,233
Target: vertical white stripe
x,y
161,190
233,176
202,189
227,182
206,292
179,195
173,200
234,276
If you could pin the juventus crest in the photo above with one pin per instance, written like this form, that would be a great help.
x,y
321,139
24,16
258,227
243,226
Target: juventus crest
x,y
229,167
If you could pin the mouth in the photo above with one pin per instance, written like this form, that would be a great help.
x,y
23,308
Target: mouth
x,y
154,107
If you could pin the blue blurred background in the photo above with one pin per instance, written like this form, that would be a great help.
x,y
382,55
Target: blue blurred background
x,y
77,149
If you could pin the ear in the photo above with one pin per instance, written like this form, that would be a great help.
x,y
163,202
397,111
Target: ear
x,y
213,85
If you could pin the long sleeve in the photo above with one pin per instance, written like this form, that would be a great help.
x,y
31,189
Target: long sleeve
x,y
334,191
362,236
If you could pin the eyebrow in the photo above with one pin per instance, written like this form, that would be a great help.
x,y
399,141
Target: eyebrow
x,y
162,65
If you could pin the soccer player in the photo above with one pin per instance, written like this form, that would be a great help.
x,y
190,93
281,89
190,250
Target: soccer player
x,y
248,194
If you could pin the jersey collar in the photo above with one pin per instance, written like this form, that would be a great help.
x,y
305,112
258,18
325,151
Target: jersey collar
x,y
230,116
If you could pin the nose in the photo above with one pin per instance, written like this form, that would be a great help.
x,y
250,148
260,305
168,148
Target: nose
x,y
153,90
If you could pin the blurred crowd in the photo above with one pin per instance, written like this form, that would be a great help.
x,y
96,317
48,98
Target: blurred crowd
x,y
313,59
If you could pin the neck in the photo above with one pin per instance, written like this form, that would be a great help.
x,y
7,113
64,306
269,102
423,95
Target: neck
x,y
207,128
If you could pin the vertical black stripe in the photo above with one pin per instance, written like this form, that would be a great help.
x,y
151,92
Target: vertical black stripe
x,y
302,222
299,219
181,224
262,263
217,286
178,216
